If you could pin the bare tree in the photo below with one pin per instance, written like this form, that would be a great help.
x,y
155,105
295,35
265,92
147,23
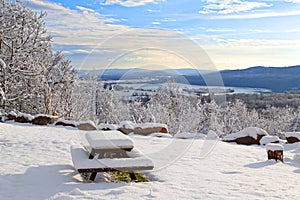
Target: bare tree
x,y
34,74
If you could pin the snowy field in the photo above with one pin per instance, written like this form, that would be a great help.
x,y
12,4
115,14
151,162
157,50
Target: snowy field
x,y
36,164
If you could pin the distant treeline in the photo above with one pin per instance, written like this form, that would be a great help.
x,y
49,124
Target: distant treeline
x,y
265,100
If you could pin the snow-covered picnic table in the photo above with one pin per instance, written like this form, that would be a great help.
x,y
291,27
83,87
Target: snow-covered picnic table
x,y
108,151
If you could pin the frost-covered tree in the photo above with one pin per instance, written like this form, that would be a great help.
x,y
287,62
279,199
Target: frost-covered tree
x,y
110,108
276,121
25,47
58,82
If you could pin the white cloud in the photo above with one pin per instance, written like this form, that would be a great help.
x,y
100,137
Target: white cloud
x,y
292,1
129,3
153,11
231,6
87,10
83,26
220,30
91,40
256,15
155,23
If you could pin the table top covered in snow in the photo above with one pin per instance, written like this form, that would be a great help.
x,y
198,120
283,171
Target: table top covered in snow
x,y
108,140
138,161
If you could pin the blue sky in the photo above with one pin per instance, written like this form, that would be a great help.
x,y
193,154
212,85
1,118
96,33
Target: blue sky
x,y
230,34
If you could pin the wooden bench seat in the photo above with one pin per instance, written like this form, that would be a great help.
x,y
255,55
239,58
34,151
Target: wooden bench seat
x,y
84,165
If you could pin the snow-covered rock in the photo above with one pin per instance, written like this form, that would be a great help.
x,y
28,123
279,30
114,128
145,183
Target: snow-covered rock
x,y
12,115
142,128
126,127
269,139
24,118
148,128
212,135
86,125
103,126
187,135
292,137
248,136
42,119
64,122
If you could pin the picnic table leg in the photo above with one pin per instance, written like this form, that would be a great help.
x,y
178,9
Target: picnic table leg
x,y
91,156
93,176
132,176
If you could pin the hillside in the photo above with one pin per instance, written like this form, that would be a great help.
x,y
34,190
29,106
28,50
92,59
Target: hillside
x,y
277,79
36,164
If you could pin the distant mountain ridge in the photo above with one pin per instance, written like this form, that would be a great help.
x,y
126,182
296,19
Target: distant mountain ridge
x,y
277,79
116,74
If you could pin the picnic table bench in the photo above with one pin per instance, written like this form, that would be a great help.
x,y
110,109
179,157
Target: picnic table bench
x,y
108,151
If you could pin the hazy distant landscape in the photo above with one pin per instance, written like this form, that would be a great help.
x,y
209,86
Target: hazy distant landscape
x,y
275,79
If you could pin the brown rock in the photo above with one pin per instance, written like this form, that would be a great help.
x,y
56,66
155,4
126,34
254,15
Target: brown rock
x,y
44,119
65,123
22,119
292,139
248,140
11,117
247,136
147,131
125,130
87,126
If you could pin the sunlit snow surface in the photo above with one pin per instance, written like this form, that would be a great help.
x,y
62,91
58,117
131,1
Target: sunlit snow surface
x,y
36,164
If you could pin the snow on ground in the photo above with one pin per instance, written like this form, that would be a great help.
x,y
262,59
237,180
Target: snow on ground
x,y
36,164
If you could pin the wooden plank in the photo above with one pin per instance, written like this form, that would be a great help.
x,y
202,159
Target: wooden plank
x,y
107,169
